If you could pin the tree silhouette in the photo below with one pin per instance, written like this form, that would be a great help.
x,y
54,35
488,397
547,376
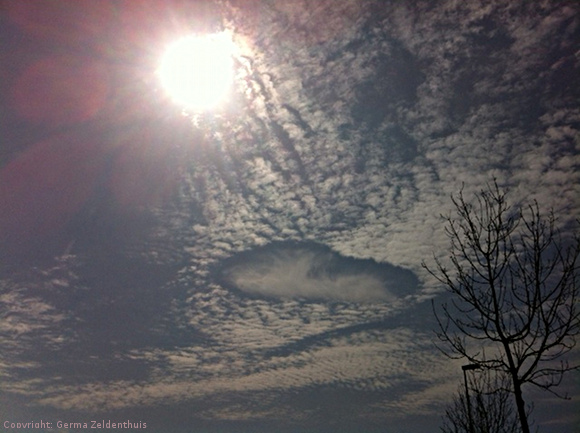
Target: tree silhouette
x,y
512,278
490,408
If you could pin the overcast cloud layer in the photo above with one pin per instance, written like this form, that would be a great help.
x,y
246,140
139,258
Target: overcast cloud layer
x,y
278,286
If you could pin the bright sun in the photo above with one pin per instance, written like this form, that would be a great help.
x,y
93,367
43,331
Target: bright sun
x,y
197,71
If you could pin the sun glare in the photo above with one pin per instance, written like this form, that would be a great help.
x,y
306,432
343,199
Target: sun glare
x,y
197,71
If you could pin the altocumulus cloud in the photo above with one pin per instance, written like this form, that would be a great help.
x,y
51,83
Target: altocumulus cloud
x,y
311,271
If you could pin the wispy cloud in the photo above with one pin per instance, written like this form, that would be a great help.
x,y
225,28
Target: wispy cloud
x,y
301,271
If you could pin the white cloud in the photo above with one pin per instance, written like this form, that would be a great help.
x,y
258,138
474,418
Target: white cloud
x,y
304,273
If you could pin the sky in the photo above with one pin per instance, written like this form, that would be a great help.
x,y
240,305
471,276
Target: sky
x,y
257,267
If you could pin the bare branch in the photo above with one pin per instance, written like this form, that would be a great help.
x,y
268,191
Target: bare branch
x,y
513,281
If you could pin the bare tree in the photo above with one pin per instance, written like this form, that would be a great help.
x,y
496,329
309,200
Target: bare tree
x,y
514,292
490,408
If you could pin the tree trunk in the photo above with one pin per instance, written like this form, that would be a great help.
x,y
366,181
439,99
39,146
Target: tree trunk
x,y
521,406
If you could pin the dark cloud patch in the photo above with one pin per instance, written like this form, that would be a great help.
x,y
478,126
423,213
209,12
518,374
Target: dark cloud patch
x,y
308,132
78,320
312,271
287,144
394,81
399,145
418,316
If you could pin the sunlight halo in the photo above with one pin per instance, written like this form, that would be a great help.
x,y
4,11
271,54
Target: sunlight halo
x,y
197,71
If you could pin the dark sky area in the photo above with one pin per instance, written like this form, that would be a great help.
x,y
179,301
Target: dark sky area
x,y
257,267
